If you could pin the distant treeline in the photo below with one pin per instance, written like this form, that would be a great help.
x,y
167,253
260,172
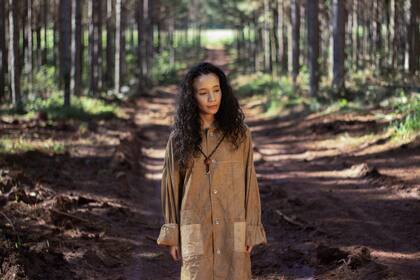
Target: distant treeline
x,y
94,46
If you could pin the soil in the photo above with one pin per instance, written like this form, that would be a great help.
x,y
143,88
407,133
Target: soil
x,y
335,205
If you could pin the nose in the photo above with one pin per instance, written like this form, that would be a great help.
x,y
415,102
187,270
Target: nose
x,y
211,96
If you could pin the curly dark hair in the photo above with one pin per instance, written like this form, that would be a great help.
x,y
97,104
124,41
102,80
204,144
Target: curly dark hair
x,y
229,119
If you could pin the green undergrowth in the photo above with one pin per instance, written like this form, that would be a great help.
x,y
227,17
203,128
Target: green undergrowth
x,y
407,112
20,145
82,108
400,104
164,72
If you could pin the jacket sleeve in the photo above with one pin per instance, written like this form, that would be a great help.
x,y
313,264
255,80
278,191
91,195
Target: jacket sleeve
x,y
255,233
170,186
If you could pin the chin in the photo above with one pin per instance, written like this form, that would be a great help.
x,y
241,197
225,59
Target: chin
x,y
211,112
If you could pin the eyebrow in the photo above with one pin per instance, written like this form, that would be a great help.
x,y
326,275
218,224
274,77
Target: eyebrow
x,y
213,87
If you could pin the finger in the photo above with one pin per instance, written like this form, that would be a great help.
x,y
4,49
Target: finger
x,y
175,252
178,254
249,249
173,255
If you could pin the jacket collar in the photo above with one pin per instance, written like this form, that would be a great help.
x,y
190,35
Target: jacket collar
x,y
212,127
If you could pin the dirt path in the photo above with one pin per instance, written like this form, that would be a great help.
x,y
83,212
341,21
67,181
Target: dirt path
x,y
347,193
340,197
324,184
336,204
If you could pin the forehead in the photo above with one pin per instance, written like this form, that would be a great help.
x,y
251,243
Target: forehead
x,y
206,81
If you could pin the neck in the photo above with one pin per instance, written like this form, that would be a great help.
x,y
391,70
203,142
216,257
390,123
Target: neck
x,y
206,120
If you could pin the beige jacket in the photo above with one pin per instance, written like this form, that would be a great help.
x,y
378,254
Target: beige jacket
x,y
213,217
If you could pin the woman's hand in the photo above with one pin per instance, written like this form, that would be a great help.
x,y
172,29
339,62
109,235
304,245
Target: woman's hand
x,y
249,249
175,253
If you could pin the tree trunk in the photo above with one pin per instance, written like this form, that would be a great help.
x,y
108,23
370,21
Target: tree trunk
x,y
45,24
255,43
3,59
250,44
99,22
123,42
394,28
152,5
295,21
38,40
313,45
29,51
283,37
131,39
358,48
14,55
378,35
303,37
338,26
276,33
238,45
171,31
389,28
146,22
259,48
75,85
159,37
148,35
325,43
110,43
55,36
140,39
399,32
79,45
93,46
117,74
266,37
414,38
65,33
23,40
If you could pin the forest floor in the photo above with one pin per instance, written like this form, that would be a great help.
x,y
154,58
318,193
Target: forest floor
x,y
339,199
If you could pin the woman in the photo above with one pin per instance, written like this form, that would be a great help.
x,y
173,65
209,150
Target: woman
x,y
210,195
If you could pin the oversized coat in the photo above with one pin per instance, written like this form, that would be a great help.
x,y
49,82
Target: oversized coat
x,y
212,217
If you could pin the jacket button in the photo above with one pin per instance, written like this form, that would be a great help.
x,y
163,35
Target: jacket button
x,y
217,221
215,191
218,251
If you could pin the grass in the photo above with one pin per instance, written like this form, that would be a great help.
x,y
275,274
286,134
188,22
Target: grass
x,y
407,112
21,145
44,96
82,108
279,90
365,92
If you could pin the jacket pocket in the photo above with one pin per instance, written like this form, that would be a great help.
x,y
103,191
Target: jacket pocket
x,y
191,240
239,235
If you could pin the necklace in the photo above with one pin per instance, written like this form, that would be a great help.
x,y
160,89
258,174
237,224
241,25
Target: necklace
x,y
207,159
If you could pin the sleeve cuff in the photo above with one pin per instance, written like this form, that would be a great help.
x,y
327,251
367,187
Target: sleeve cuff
x,y
169,235
255,234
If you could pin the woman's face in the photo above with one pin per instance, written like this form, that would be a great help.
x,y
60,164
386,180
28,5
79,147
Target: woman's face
x,y
208,93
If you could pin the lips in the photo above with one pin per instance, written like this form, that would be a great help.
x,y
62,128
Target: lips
x,y
212,107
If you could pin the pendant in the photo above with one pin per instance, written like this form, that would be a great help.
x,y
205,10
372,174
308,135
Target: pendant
x,y
207,162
